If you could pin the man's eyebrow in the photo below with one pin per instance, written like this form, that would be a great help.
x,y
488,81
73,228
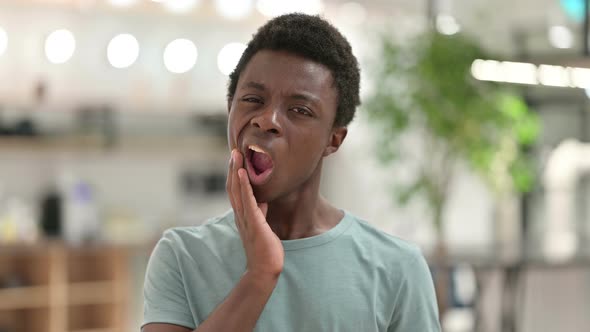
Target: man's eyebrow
x,y
298,96
257,86
305,97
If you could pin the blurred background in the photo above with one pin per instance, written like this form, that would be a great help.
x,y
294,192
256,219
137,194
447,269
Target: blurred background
x,y
472,141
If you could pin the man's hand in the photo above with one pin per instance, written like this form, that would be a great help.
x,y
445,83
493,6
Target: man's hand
x,y
264,253
264,250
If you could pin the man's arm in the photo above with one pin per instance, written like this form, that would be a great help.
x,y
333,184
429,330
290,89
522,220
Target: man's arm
x,y
238,312
264,253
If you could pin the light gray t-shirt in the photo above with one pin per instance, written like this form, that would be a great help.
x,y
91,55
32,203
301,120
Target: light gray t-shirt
x,y
352,278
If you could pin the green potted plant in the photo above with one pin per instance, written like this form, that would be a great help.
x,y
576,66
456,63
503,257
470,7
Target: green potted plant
x,y
425,86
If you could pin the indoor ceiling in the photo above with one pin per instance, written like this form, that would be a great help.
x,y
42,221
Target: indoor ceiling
x,y
499,24
515,30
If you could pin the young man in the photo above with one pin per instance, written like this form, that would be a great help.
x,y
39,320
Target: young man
x,y
284,259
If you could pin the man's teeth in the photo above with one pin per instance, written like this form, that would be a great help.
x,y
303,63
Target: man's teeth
x,y
255,148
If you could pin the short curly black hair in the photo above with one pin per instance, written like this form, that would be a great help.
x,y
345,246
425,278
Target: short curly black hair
x,y
315,39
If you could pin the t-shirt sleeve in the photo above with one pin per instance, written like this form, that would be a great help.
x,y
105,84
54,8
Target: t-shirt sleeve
x,y
164,292
416,308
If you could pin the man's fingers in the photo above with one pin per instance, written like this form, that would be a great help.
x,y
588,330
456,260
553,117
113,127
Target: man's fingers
x,y
239,164
234,190
239,159
264,208
228,181
251,211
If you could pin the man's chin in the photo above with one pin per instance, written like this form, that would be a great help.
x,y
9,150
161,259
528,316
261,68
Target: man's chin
x,y
263,194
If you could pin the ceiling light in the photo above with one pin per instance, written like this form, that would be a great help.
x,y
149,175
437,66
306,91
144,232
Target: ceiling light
x,y
580,77
180,6
122,51
234,9
180,56
229,56
3,41
486,70
447,25
560,37
60,46
519,72
553,75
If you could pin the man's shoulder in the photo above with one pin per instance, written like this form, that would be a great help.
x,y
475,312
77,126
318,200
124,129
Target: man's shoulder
x,y
402,259
388,245
217,230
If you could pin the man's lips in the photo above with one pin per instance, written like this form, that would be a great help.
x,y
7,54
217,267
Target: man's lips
x,y
257,178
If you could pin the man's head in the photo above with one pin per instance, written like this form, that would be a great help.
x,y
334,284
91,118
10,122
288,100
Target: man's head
x,y
290,98
315,39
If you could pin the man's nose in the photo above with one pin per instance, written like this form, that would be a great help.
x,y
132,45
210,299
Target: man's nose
x,y
268,121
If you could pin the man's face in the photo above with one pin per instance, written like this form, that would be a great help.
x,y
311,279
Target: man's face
x,y
280,119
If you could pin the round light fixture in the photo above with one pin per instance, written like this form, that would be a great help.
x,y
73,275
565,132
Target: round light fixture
x,y
123,50
229,56
180,6
233,9
60,46
180,56
3,41
560,37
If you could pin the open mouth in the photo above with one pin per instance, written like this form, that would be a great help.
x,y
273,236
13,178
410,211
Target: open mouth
x,y
259,165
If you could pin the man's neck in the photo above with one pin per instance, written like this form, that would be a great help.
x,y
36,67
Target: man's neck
x,y
302,214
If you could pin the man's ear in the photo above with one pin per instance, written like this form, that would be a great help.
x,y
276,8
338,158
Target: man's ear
x,y
337,136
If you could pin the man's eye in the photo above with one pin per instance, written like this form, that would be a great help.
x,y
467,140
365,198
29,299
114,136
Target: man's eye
x,y
251,100
301,111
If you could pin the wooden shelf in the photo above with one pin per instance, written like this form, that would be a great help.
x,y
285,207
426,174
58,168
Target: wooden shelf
x,y
96,145
94,330
98,292
24,297
79,289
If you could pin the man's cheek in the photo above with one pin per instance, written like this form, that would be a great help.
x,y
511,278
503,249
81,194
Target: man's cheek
x,y
233,139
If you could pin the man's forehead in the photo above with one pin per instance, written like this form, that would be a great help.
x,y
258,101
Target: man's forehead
x,y
267,68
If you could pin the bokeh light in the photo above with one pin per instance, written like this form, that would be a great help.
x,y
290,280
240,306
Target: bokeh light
x,y
3,41
60,46
180,56
123,51
234,9
229,56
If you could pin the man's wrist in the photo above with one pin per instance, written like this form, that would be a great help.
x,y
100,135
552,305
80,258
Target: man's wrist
x,y
265,282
